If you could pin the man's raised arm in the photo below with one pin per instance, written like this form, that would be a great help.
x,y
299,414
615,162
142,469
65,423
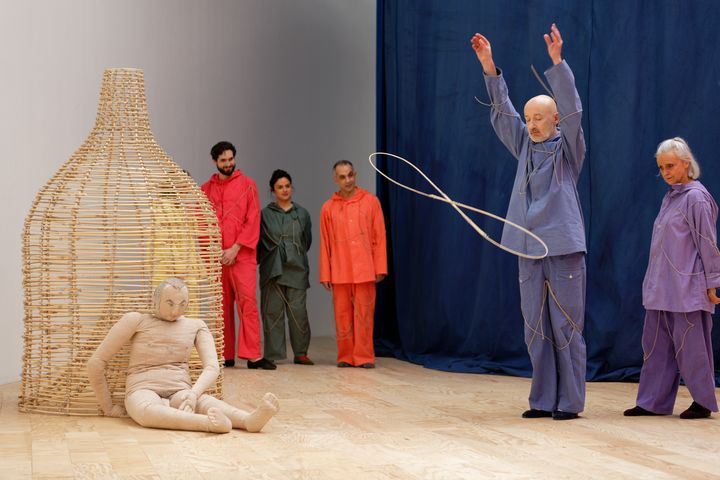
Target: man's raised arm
x,y
505,120
562,82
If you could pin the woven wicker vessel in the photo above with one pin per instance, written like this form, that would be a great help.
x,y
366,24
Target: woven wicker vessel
x,y
115,220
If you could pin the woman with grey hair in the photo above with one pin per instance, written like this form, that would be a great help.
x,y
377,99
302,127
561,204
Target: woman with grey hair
x,y
681,150
679,292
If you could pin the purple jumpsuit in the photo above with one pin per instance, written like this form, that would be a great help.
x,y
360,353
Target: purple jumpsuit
x,y
684,263
545,201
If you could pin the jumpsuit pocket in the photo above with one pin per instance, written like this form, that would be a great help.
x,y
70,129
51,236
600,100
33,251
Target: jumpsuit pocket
x,y
569,276
569,286
569,289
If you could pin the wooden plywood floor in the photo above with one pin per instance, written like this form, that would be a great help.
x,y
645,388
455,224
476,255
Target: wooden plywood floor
x,y
400,421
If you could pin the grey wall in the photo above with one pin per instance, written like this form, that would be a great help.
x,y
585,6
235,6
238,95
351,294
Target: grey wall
x,y
290,82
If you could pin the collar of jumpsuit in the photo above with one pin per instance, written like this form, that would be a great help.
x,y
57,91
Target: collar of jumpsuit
x,y
678,188
360,193
215,178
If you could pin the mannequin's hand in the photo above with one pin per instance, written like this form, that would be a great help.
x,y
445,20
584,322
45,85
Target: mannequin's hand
x,y
185,400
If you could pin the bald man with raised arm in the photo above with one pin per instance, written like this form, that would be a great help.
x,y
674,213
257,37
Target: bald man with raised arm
x,y
549,146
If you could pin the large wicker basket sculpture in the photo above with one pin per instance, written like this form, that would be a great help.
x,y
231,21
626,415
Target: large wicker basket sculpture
x,y
115,220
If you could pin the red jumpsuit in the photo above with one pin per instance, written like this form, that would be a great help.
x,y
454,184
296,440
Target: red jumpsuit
x,y
237,207
352,254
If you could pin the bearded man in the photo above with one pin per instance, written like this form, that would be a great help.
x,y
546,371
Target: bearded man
x,y
234,196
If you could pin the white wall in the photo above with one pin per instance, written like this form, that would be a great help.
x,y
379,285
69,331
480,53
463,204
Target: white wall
x,y
290,82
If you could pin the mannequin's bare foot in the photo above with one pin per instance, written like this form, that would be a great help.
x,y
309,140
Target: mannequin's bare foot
x,y
219,422
257,419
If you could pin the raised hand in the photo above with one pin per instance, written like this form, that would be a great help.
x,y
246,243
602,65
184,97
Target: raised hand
x,y
482,49
554,44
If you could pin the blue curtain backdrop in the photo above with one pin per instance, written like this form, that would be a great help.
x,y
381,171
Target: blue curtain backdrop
x,y
645,70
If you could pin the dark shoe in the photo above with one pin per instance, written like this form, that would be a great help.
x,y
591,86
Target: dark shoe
x,y
229,363
535,413
367,365
637,411
263,363
695,410
559,415
303,360
343,365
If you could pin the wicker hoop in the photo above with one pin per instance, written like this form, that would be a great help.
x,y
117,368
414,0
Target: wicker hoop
x,y
117,218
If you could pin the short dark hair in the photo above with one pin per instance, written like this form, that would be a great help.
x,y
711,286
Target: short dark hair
x,y
277,175
343,162
220,147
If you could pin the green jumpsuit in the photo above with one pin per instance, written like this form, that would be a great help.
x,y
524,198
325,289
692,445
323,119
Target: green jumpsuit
x,y
285,238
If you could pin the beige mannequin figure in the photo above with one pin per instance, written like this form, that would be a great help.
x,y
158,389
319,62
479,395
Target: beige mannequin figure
x,y
159,392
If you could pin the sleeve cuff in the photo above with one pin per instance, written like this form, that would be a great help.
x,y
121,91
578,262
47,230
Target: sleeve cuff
x,y
498,73
560,66
712,282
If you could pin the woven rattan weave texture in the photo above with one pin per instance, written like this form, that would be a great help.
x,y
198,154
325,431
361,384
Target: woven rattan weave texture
x,y
117,218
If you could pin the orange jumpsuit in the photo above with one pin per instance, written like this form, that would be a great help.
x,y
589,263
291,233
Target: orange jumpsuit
x,y
237,207
352,254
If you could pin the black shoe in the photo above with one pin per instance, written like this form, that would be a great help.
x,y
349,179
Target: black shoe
x,y
343,365
695,410
560,415
638,411
263,363
367,365
535,413
229,363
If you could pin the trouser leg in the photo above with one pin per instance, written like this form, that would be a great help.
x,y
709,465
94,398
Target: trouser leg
x,y
363,323
298,322
272,306
228,302
566,306
694,354
659,376
344,329
538,335
244,284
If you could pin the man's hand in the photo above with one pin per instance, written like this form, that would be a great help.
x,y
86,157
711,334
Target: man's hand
x,y
482,48
554,44
326,285
712,296
229,255
379,278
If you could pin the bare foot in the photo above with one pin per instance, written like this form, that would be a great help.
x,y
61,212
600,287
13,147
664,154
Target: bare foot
x,y
219,422
257,419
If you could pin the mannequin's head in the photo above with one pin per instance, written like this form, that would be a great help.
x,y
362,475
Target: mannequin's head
x,y
170,299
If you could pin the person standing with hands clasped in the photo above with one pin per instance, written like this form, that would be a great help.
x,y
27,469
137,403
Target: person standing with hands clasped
x,y
234,197
352,259
285,238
